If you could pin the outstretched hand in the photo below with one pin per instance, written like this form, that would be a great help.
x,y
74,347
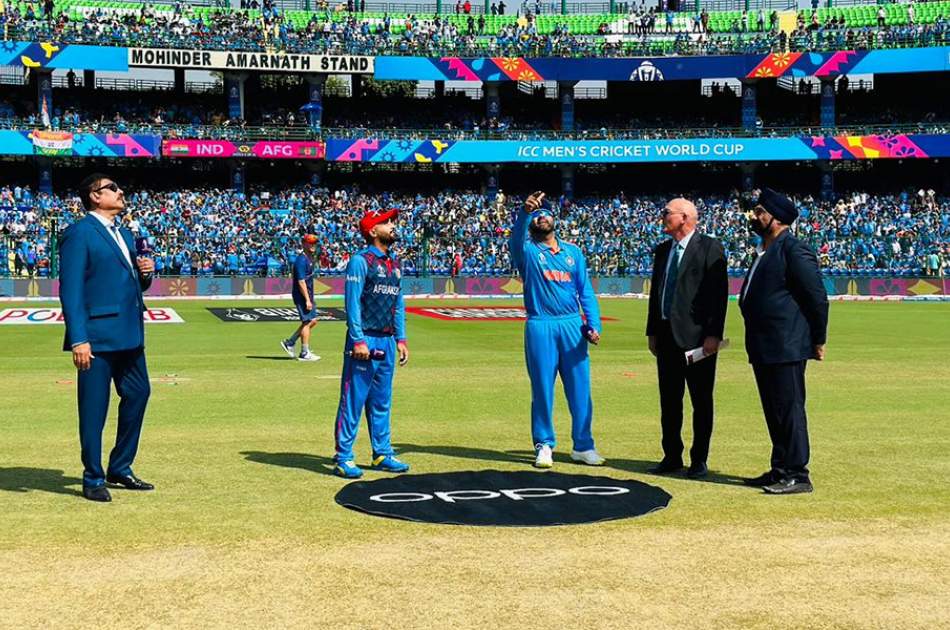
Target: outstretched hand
x,y
533,202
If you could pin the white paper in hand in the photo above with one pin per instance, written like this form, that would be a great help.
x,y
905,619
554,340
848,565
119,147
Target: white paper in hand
x,y
697,354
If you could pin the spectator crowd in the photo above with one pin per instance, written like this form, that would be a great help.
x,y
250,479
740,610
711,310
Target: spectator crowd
x,y
218,232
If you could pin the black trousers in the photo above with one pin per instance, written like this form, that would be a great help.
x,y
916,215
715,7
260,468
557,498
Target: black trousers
x,y
782,390
675,376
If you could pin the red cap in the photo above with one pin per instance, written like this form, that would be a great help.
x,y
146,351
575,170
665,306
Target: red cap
x,y
310,239
372,218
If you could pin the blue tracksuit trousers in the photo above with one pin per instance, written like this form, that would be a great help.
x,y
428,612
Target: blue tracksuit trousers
x,y
556,345
366,385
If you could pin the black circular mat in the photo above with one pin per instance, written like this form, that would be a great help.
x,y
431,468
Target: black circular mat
x,y
494,497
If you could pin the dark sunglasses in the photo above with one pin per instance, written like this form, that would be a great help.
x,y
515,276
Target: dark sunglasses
x,y
110,186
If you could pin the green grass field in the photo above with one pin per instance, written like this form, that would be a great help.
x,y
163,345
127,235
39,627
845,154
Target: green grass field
x,y
243,531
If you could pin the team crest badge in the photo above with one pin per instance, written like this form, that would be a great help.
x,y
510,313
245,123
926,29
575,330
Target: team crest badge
x,y
541,258
398,273
570,261
380,270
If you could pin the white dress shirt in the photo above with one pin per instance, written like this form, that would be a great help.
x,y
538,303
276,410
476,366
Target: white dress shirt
x,y
113,230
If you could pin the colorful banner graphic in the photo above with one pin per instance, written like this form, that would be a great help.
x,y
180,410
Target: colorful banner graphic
x,y
672,68
79,144
500,286
266,149
13,316
53,56
616,151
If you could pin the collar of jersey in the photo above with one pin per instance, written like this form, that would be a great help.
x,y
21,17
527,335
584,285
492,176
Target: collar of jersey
x,y
375,250
554,250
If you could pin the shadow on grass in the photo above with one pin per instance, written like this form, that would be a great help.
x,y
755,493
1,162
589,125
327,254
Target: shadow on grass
x,y
270,358
465,452
303,461
19,479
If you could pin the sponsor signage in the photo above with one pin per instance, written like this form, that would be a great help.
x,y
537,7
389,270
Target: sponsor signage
x,y
475,313
265,149
246,60
492,497
55,316
275,314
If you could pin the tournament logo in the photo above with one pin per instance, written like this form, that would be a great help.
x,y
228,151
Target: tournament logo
x,y
241,315
646,72
493,497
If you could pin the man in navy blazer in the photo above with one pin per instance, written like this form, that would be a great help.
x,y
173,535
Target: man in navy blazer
x,y
785,307
101,285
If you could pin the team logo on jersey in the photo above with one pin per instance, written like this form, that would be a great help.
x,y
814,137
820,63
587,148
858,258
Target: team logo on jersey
x,y
541,258
380,270
570,261
398,273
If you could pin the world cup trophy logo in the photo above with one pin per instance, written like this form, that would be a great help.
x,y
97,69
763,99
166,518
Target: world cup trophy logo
x,y
646,72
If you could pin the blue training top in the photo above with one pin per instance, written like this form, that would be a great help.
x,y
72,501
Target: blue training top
x,y
555,278
373,294
303,270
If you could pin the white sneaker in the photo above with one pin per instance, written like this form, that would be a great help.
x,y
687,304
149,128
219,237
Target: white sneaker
x,y
288,349
308,357
545,458
591,457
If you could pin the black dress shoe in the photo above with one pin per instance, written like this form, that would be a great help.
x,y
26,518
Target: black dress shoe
x,y
765,479
96,493
130,482
664,468
697,471
789,486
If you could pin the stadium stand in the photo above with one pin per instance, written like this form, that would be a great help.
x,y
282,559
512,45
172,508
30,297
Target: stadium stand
x,y
647,32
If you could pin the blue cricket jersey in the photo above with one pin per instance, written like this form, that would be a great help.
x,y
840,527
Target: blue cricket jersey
x,y
555,279
303,270
373,293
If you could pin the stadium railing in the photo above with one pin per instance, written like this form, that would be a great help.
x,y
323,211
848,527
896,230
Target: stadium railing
x,y
302,132
618,45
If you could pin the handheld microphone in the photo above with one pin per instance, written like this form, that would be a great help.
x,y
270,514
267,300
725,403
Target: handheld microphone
x,y
142,247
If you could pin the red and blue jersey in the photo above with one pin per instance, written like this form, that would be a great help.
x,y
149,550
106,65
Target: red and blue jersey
x,y
373,293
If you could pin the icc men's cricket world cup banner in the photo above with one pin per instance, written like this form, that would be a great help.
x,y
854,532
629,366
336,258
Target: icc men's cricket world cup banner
x,y
901,146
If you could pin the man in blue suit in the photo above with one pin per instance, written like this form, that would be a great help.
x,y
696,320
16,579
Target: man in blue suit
x,y
101,285
785,307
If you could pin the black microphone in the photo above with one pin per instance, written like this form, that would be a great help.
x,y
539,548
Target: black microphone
x,y
143,249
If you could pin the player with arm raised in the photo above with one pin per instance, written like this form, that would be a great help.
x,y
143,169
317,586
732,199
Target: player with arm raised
x,y
556,290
